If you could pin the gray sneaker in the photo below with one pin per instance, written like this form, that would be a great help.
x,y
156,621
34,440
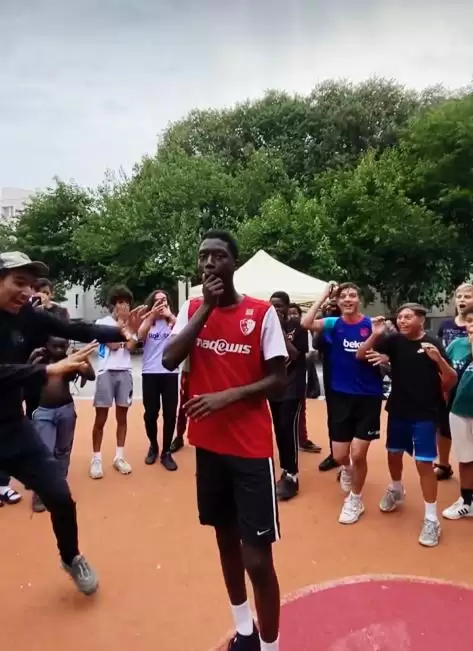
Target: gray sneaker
x,y
430,534
37,505
83,575
391,500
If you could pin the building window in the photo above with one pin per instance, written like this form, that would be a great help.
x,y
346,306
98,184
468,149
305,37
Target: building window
x,y
77,301
7,212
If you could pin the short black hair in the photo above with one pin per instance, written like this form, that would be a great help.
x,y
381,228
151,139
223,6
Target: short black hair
x,y
417,308
348,285
119,294
297,307
224,236
42,282
283,296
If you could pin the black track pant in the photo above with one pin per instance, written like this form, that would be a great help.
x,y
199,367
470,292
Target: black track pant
x,y
286,416
157,388
24,456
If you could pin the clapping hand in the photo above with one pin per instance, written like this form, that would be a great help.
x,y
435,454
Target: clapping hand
x,y
378,325
38,356
431,350
376,359
130,323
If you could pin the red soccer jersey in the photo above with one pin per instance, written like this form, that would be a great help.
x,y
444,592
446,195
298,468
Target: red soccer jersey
x,y
230,351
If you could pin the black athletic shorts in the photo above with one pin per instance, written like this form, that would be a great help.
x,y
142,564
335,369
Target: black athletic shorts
x,y
236,490
444,423
355,417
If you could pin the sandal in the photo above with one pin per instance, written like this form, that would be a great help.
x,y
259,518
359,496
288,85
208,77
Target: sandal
x,y
10,497
443,472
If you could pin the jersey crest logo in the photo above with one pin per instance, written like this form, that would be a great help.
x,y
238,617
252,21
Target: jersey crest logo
x,y
247,326
364,332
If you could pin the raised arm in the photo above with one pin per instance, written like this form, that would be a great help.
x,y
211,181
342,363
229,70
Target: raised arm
x,y
77,331
310,321
15,375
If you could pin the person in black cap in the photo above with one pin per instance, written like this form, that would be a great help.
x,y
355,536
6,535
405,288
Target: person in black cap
x,y
22,454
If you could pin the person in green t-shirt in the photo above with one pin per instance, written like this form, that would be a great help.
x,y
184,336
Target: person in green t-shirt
x,y
460,353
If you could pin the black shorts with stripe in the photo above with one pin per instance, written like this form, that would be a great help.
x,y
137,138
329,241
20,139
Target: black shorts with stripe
x,y
235,490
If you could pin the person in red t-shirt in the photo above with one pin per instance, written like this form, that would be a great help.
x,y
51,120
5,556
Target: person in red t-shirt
x,y
236,353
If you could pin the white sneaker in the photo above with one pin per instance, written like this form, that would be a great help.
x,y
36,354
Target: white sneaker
x,y
352,510
458,510
430,534
345,479
391,500
95,470
122,466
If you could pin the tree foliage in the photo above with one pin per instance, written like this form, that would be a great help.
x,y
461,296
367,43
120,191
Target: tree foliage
x,y
46,228
370,182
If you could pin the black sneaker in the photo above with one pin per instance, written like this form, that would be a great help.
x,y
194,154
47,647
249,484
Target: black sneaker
x,y
37,505
152,455
245,642
83,575
168,462
286,488
310,446
328,464
177,444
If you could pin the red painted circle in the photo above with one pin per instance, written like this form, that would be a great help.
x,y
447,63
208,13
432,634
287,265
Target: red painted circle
x,y
379,615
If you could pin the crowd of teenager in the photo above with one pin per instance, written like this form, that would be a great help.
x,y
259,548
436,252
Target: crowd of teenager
x,y
231,371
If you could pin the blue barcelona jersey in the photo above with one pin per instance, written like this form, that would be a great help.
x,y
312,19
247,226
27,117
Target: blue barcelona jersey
x,y
348,374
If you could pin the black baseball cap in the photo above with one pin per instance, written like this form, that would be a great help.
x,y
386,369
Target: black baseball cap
x,y
17,260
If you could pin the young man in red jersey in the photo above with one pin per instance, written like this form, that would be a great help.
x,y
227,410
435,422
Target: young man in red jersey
x,y
236,352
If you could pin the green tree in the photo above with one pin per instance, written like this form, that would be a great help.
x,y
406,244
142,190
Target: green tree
x,y
330,128
46,228
380,237
8,241
437,149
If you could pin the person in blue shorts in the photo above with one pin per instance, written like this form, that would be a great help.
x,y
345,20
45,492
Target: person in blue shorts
x,y
356,393
421,374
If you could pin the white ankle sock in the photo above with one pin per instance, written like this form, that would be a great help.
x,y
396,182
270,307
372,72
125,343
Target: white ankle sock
x,y
291,477
396,486
243,618
120,453
269,646
97,456
431,511
4,489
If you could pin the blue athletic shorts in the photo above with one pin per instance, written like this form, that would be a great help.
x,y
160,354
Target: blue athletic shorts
x,y
416,437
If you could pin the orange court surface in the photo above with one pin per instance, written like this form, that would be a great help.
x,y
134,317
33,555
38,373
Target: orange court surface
x,y
161,586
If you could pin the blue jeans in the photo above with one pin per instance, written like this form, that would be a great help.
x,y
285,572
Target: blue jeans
x,y
56,428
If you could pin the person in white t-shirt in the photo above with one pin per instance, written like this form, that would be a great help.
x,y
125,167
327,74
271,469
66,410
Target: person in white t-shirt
x,y
114,385
160,386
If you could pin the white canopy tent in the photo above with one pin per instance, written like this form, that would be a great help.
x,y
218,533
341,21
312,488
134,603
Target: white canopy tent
x,y
262,275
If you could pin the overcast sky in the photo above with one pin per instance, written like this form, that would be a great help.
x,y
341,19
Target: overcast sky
x,y
86,85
